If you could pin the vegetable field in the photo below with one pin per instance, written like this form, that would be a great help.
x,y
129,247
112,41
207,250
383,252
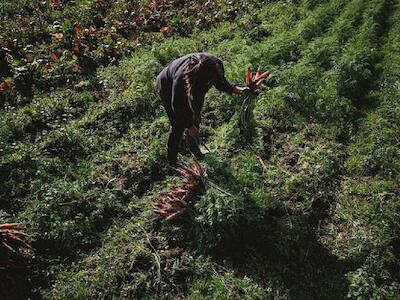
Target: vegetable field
x,y
303,204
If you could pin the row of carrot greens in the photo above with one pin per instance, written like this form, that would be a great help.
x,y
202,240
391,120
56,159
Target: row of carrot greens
x,y
300,205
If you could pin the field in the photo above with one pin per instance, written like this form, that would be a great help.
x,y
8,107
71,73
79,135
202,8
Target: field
x,y
304,204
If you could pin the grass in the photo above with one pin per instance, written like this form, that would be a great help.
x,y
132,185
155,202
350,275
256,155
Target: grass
x,y
303,207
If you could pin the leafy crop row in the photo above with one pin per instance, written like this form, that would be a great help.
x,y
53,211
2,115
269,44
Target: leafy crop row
x,y
305,206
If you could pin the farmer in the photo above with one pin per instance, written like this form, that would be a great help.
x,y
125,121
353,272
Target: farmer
x,y
182,86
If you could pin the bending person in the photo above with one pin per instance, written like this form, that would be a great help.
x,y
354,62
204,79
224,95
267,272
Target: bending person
x,y
182,86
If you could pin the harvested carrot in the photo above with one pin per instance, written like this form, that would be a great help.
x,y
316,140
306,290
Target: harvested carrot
x,y
174,203
11,240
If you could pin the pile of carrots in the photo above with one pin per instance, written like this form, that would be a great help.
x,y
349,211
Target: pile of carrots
x,y
174,203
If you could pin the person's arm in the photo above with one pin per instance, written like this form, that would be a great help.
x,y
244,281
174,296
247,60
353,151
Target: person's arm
x,y
222,84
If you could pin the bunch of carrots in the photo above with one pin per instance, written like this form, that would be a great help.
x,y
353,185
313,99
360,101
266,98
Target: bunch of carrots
x,y
253,82
174,203
11,240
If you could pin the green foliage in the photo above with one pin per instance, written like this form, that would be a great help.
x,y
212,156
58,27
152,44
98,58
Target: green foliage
x,y
303,207
363,286
226,286
374,150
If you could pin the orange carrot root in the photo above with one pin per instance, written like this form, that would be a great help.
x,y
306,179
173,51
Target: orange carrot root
x,y
174,203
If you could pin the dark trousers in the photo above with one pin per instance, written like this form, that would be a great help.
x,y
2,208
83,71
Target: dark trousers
x,y
179,121
175,134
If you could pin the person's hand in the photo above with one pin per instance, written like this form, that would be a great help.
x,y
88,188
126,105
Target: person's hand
x,y
241,90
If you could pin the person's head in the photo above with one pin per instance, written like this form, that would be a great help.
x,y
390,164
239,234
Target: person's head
x,y
198,65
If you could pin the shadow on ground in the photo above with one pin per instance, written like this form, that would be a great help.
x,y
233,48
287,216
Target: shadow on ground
x,y
286,252
279,249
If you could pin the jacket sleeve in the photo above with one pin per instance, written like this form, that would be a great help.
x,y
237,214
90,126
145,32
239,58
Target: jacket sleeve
x,y
219,81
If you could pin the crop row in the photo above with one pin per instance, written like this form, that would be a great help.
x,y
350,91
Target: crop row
x,y
78,178
164,55
212,225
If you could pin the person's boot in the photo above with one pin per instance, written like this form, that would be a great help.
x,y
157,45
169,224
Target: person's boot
x,y
173,145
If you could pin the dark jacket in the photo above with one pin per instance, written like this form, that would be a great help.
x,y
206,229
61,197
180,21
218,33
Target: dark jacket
x,y
172,87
